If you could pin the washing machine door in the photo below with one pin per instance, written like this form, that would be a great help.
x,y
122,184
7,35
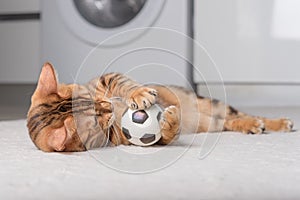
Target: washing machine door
x,y
94,21
109,14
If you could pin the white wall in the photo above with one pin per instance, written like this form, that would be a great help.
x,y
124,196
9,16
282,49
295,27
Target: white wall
x,y
255,46
20,40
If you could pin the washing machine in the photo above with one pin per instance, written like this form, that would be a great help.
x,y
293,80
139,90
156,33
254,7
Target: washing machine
x,y
149,40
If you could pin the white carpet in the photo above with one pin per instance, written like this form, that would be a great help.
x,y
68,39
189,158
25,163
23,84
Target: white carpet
x,y
239,167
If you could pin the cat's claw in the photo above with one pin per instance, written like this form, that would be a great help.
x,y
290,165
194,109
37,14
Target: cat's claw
x,y
153,92
134,106
142,98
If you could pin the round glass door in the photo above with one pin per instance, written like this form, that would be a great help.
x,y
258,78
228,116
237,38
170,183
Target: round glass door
x,y
109,13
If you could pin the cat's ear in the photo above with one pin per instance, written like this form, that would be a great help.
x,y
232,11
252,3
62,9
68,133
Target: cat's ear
x,y
47,83
57,139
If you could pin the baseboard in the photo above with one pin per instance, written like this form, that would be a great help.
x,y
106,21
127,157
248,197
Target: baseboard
x,y
253,94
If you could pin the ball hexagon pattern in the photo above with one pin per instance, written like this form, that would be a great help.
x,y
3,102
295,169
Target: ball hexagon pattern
x,y
139,116
141,127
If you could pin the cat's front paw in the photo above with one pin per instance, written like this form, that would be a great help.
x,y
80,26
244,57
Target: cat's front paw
x,y
142,98
169,124
170,118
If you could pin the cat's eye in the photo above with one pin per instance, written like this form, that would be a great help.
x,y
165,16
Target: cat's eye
x,y
63,109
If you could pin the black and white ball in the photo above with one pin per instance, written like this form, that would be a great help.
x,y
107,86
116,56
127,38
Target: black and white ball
x,y
141,127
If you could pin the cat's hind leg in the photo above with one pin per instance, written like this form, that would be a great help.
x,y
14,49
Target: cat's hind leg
x,y
257,125
277,125
248,125
242,122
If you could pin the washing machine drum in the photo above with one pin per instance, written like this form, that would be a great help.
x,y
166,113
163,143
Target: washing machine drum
x,y
109,14
95,21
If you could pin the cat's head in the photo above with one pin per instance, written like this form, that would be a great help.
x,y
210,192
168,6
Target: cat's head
x,y
51,118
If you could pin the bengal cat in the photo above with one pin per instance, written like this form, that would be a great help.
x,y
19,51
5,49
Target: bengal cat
x,y
80,117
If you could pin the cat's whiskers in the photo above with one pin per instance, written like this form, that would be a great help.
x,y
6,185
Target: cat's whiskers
x,y
116,98
107,90
107,138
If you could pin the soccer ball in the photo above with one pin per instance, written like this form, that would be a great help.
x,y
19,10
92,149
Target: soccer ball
x,y
141,127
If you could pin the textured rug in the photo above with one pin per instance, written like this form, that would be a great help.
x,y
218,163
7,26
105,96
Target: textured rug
x,y
203,166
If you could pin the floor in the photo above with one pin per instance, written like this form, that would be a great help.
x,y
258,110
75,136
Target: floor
x,y
204,166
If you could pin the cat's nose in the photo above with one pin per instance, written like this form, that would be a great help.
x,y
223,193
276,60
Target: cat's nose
x,y
108,116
